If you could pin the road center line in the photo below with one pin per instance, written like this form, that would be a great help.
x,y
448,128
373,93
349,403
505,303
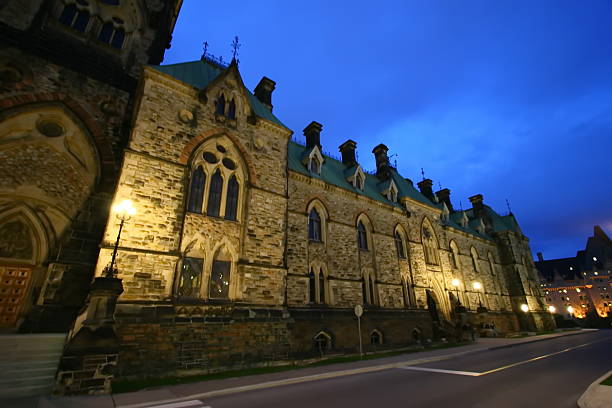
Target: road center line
x,y
476,374
182,404
439,370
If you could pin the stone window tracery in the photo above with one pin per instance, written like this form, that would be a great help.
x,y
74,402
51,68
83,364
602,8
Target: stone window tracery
x,y
400,243
369,289
376,338
191,277
317,285
112,35
430,245
322,342
362,236
217,182
454,255
474,256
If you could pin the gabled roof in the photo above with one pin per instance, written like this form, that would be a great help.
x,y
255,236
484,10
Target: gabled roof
x,y
201,73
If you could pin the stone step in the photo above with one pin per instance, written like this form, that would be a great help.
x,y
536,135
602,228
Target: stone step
x,y
41,380
26,391
27,372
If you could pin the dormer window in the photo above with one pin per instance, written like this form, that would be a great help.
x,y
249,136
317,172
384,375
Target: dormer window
x,y
314,166
231,110
391,192
220,105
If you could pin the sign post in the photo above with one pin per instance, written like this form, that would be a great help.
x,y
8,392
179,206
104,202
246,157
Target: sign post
x,y
358,313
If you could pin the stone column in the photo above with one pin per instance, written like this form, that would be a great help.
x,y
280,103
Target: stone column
x,y
90,356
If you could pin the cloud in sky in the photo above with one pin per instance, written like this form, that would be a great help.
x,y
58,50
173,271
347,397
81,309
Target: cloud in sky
x,y
508,98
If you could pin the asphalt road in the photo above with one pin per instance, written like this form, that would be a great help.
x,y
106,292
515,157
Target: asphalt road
x,y
552,373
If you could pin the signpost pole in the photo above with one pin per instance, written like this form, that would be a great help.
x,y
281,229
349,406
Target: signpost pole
x,y
358,313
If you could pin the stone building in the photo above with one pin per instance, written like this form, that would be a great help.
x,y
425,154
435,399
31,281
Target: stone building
x,y
574,286
245,246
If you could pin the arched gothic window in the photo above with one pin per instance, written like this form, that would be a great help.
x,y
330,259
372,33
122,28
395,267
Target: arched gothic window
x,y
372,291
231,202
114,36
220,105
376,338
399,245
312,287
474,260
73,17
322,283
430,246
191,278
220,276
214,195
454,255
314,226
231,110
196,191
407,292
362,236
322,342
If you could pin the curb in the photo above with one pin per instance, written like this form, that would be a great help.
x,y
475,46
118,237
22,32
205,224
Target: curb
x,y
333,374
597,396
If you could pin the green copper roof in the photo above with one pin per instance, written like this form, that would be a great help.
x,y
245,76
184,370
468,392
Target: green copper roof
x,y
336,173
201,73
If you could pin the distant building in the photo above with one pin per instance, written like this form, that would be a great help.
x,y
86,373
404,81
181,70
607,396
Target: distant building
x,y
573,285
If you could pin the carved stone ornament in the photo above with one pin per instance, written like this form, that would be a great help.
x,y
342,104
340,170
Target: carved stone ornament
x,y
185,116
15,241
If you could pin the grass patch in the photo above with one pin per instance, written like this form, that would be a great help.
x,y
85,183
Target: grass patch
x,y
607,381
135,385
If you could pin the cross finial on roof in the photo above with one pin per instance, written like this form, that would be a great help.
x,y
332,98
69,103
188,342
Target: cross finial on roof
x,y
423,173
235,46
439,185
508,204
205,49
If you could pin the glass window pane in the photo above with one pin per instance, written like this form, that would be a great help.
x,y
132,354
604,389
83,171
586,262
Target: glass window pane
x,y
191,275
106,33
214,196
220,279
81,21
118,38
231,202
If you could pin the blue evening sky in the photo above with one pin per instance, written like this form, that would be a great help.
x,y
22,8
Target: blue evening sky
x,y
510,99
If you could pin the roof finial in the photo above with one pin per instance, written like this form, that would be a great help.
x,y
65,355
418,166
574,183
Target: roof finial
x,y
205,49
439,185
423,173
508,205
235,46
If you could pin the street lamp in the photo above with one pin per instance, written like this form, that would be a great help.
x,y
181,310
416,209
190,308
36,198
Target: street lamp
x,y
456,283
570,310
552,309
123,211
524,308
477,286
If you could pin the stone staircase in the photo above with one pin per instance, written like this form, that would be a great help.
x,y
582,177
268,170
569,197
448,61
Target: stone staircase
x,y
28,363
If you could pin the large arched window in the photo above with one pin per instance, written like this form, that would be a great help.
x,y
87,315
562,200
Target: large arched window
x,y
317,285
369,289
430,244
231,110
362,236
314,225
217,184
214,195
231,201
196,191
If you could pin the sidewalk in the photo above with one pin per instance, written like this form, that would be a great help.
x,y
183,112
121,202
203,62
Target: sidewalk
x,y
208,389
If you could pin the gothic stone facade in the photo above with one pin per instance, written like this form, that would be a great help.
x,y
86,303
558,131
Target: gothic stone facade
x,y
245,246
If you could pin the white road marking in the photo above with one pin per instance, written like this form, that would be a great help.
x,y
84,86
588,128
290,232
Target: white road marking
x,y
475,374
439,370
183,404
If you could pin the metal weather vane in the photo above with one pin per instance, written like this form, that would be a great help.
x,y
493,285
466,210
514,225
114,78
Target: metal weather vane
x,y
205,44
423,173
235,46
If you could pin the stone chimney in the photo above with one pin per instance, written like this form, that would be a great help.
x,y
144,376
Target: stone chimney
x,y
348,152
426,190
313,134
263,91
540,257
444,197
477,204
382,161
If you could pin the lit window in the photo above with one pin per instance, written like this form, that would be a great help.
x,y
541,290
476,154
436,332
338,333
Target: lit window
x,y
219,280
190,279
231,202
196,191
314,166
214,195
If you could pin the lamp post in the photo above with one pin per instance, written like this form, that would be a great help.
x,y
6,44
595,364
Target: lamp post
x,y
456,283
477,287
123,211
